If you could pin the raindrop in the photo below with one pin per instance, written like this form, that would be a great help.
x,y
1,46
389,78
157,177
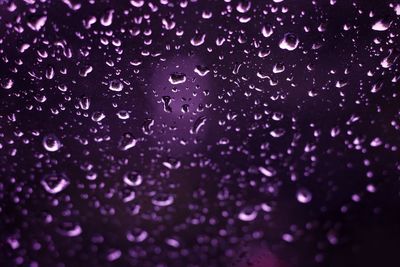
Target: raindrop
x,y
172,242
114,255
127,141
277,132
381,25
162,200
390,59
69,229
51,143
267,31
248,214
36,23
303,195
177,78
116,86
289,42
198,39
243,6
133,178
107,18
98,116
84,103
172,163
201,70
7,83
147,125
54,183
198,124
269,172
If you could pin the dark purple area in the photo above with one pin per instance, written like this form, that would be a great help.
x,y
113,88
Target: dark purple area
x,y
199,133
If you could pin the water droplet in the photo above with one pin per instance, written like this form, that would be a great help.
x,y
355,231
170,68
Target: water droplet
x,y
198,124
98,116
201,70
133,178
69,229
287,237
177,78
267,31
390,59
278,68
127,141
172,163
7,83
51,143
162,200
277,132
377,87
116,86
376,142
137,235
269,172
114,255
243,6
55,183
381,25
335,131
84,103
167,101
36,23
107,18
137,3
147,125
289,42
303,195
172,242
198,39
248,214
168,24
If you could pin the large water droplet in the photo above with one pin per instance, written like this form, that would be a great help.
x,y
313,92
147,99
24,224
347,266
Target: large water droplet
x,y
381,25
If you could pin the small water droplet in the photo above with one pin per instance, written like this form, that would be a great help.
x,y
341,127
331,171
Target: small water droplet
x,y
303,195
162,200
116,86
289,42
133,178
177,78
69,229
36,23
198,124
127,141
55,183
51,143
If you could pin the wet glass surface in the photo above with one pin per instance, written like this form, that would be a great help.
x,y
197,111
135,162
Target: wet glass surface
x,y
199,133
